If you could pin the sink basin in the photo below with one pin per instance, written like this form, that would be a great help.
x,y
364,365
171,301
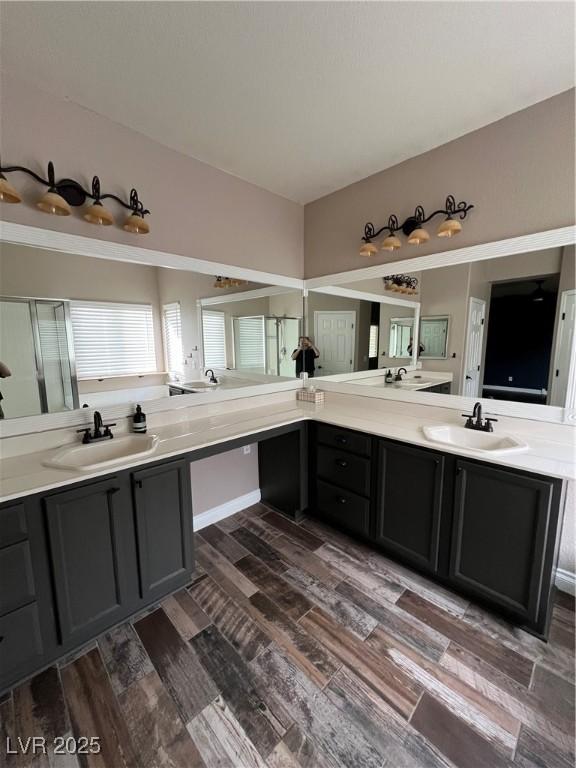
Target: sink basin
x,y
201,384
94,456
483,442
413,383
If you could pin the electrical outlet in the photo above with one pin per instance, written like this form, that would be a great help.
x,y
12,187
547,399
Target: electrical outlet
x,y
247,449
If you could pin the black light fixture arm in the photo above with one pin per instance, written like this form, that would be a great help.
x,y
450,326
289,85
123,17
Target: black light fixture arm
x,y
74,193
451,209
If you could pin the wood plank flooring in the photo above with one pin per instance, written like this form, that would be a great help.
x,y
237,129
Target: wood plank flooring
x,y
297,647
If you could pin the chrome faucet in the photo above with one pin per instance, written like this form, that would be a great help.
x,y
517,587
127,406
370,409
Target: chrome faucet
x,y
474,420
101,431
213,379
398,376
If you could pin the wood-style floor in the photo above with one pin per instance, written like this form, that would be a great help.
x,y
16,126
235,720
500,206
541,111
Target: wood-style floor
x,y
297,647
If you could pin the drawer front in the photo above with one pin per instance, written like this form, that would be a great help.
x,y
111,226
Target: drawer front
x,y
12,524
20,643
343,508
16,577
343,469
344,439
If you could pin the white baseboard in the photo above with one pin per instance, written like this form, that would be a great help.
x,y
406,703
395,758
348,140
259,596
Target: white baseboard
x,y
215,514
566,581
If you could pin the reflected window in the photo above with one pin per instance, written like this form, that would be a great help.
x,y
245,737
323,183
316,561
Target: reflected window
x,y
214,336
112,339
250,344
172,331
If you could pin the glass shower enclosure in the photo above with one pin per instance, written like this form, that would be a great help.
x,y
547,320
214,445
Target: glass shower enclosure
x,y
265,344
36,346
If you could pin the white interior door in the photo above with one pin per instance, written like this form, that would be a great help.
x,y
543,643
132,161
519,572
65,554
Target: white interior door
x,y
334,337
473,356
563,353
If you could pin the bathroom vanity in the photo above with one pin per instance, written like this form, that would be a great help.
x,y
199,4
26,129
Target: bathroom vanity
x,y
81,553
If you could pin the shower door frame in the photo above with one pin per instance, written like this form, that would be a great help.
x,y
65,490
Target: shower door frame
x,y
33,302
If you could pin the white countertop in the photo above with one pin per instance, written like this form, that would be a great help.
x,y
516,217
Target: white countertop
x,y
551,452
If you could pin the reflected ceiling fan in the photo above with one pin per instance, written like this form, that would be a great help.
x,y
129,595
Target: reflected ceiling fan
x,y
539,293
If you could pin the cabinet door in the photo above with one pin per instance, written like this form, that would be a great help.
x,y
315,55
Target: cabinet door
x,y
89,531
409,503
499,535
163,504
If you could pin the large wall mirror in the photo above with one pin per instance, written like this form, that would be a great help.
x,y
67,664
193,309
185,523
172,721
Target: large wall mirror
x,y
356,331
500,328
81,331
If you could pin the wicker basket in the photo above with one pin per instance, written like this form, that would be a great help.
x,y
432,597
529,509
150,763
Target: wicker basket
x,y
310,396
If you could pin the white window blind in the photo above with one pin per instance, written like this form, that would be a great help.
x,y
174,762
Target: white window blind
x,y
112,339
373,341
214,335
172,330
250,343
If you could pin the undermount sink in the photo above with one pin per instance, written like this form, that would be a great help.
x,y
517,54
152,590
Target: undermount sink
x,y
200,384
473,440
94,456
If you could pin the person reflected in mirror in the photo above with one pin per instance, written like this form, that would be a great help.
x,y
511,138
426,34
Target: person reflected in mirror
x,y
305,356
421,347
5,372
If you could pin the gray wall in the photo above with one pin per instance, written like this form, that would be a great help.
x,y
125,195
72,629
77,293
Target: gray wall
x,y
197,210
518,172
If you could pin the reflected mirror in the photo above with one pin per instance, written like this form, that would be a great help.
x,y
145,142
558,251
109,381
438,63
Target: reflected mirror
x,y
499,328
359,331
78,331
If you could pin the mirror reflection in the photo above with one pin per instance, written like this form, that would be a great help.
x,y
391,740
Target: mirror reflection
x,y
78,331
500,328
358,334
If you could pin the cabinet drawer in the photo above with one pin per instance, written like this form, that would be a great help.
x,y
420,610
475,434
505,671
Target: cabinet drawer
x,y
344,469
20,643
344,439
12,524
343,508
16,577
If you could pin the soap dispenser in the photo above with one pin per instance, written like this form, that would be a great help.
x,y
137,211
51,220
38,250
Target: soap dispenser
x,y
389,378
139,420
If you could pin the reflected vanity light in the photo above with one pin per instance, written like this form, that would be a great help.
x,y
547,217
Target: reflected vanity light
x,y
413,228
401,284
228,282
63,194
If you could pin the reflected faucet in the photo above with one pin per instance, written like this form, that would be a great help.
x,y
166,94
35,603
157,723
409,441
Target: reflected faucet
x,y
213,379
398,376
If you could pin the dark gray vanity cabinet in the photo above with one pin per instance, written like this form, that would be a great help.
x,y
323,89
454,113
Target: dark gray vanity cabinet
x,y
162,505
483,530
409,502
91,533
503,536
342,478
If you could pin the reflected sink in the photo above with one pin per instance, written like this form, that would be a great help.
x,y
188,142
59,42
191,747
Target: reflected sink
x,y
94,456
413,383
483,442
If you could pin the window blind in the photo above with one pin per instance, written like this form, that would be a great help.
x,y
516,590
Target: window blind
x,y
214,336
373,341
172,330
112,339
250,343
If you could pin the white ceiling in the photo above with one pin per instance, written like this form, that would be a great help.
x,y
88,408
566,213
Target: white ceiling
x,y
301,98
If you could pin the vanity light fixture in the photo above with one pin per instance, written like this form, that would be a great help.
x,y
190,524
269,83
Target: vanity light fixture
x,y
413,227
228,282
7,192
63,194
401,284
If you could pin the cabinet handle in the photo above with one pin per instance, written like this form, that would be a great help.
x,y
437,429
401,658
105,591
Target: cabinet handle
x,y
138,483
341,463
342,440
1,638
